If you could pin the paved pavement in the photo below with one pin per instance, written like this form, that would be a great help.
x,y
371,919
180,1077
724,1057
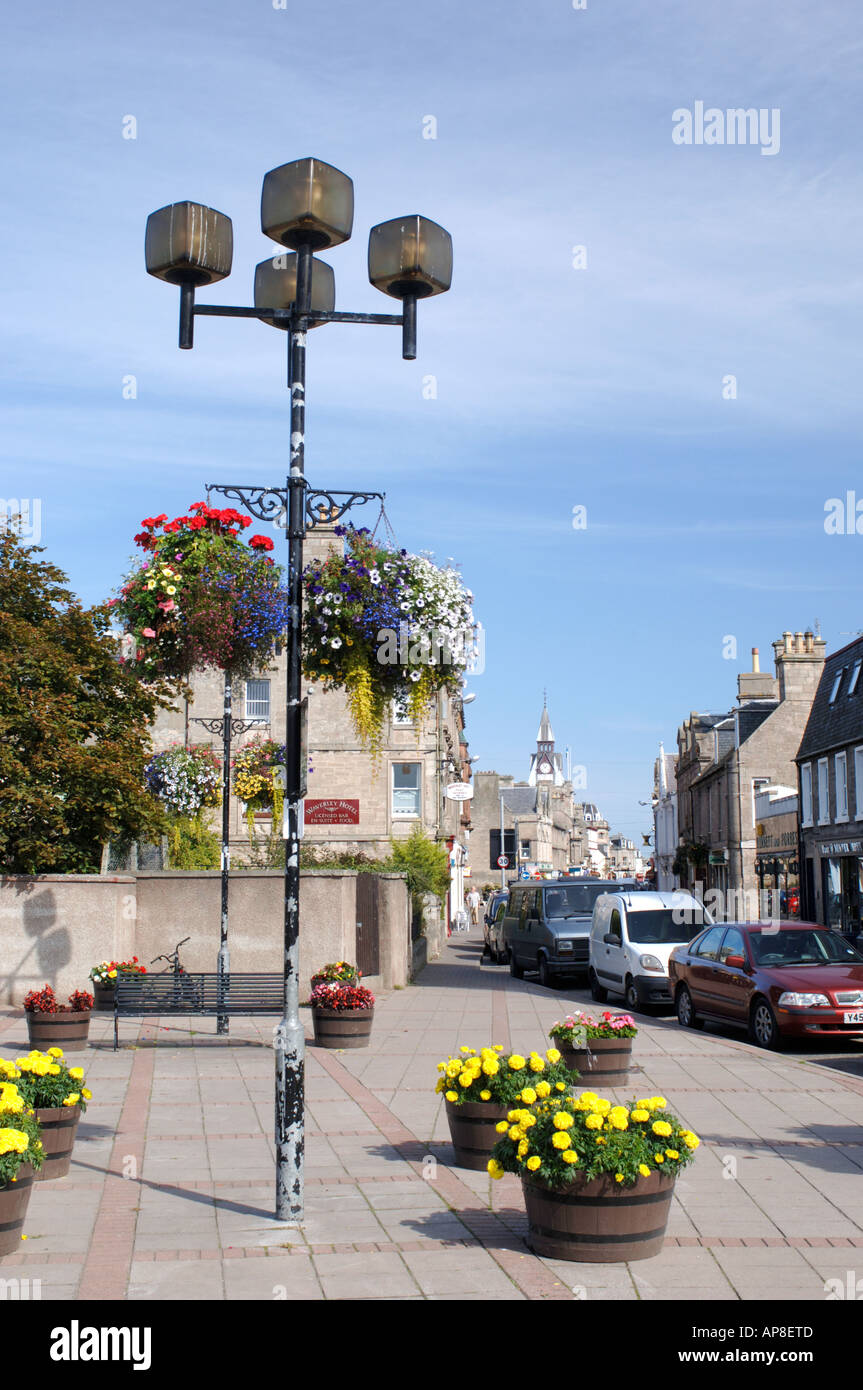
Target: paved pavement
x,y
171,1189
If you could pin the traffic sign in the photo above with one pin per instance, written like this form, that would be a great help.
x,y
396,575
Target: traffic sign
x,y
503,861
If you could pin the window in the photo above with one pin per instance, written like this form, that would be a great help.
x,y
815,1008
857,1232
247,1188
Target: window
x,y
823,792
858,781
758,785
406,789
806,792
837,681
732,945
855,676
258,700
840,773
708,947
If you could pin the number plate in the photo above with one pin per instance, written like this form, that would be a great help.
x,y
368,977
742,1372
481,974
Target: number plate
x,y
854,1016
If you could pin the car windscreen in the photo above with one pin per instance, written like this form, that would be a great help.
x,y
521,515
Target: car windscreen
x,y
664,927
802,948
573,899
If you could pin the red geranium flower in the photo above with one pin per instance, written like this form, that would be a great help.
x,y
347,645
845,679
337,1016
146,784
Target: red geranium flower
x,y
260,543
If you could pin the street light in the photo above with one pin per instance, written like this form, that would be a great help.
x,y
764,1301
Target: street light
x,y
307,206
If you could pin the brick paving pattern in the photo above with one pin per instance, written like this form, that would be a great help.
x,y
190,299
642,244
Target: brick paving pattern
x,y
171,1189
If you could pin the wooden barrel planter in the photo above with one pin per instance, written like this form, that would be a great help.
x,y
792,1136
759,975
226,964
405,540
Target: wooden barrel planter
x,y
600,1221
14,1200
342,1027
68,1030
103,998
473,1133
601,1062
59,1127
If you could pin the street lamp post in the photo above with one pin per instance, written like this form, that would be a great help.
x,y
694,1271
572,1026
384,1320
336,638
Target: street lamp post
x,y
227,726
306,206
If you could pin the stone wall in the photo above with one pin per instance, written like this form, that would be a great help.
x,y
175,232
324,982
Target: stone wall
x,y
54,927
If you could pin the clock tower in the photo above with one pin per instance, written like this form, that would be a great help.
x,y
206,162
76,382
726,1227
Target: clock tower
x,y
546,766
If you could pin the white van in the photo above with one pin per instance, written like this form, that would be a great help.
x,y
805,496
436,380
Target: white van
x,y
631,937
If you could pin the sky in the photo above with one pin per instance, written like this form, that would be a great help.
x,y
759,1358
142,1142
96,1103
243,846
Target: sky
x,y
665,335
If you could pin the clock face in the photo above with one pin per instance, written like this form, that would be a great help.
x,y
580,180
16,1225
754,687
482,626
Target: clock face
x,y
545,765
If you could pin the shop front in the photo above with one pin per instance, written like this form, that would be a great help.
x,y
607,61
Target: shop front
x,y
842,885
777,865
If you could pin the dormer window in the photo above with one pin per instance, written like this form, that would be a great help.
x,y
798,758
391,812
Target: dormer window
x,y
837,681
855,676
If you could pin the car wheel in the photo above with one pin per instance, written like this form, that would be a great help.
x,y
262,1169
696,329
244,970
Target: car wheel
x,y
597,993
763,1028
546,978
686,1015
514,968
631,993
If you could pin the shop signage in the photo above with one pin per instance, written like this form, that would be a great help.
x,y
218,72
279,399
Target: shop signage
x,y
331,811
842,847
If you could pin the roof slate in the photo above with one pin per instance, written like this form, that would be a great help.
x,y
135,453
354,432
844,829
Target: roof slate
x,y
834,725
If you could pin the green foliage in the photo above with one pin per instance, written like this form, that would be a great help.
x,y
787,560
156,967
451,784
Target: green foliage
x,y
13,1158
192,845
74,725
497,1078
424,861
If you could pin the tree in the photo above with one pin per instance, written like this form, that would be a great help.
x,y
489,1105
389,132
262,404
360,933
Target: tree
x,y
74,725
425,864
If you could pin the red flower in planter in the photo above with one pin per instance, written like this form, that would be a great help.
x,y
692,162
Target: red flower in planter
x,y
342,997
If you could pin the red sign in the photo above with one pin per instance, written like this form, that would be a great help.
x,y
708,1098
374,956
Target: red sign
x,y
331,811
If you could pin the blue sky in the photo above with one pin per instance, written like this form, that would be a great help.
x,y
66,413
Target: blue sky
x,y
556,386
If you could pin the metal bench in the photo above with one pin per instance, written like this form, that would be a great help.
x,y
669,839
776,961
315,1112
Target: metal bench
x,y
137,996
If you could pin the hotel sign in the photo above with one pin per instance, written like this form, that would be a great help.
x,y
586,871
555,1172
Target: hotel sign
x,y
839,847
331,811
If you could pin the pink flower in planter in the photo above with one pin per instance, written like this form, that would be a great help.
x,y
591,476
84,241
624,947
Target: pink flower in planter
x,y
147,632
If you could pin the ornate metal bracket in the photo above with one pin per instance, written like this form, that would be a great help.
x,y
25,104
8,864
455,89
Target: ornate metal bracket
x,y
238,726
320,508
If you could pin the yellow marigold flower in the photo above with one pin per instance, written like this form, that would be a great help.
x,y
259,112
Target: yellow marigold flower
x,y
485,1095
618,1122
465,1079
589,1097
13,1141
658,1102
602,1106
464,1048
516,1063
534,1163
54,1070
513,1116
543,1089
560,1086
640,1115
528,1095
552,1054
498,1047
662,1128
453,1069
73,1099
537,1064
440,1085
672,1153
563,1120
494,1168
452,1096
569,1156
599,1139
691,1140
502,1127
560,1139
523,1148
618,1177
594,1121
659,1158
491,1068
55,1052
644,1170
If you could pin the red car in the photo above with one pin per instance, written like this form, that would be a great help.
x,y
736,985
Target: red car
x,y
776,980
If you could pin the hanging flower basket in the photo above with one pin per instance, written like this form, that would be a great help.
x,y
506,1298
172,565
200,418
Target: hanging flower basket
x,y
201,597
185,780
382,624
259,780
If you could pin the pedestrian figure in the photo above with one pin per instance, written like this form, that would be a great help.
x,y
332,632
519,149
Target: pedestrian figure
x,y
473,902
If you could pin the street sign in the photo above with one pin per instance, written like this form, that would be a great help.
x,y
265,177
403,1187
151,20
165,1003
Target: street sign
x,y
459,791
503,861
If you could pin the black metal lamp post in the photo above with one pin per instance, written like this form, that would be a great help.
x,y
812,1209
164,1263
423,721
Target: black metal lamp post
x,y
227,726
307,206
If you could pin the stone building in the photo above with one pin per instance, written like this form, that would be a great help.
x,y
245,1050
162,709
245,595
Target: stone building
x,y
354,803
830,781
725,760
666,833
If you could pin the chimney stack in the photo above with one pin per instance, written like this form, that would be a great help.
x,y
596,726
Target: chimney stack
x,y
755,684
799,663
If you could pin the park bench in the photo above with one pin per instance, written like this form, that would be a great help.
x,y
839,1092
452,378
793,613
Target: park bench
x,y
139,996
